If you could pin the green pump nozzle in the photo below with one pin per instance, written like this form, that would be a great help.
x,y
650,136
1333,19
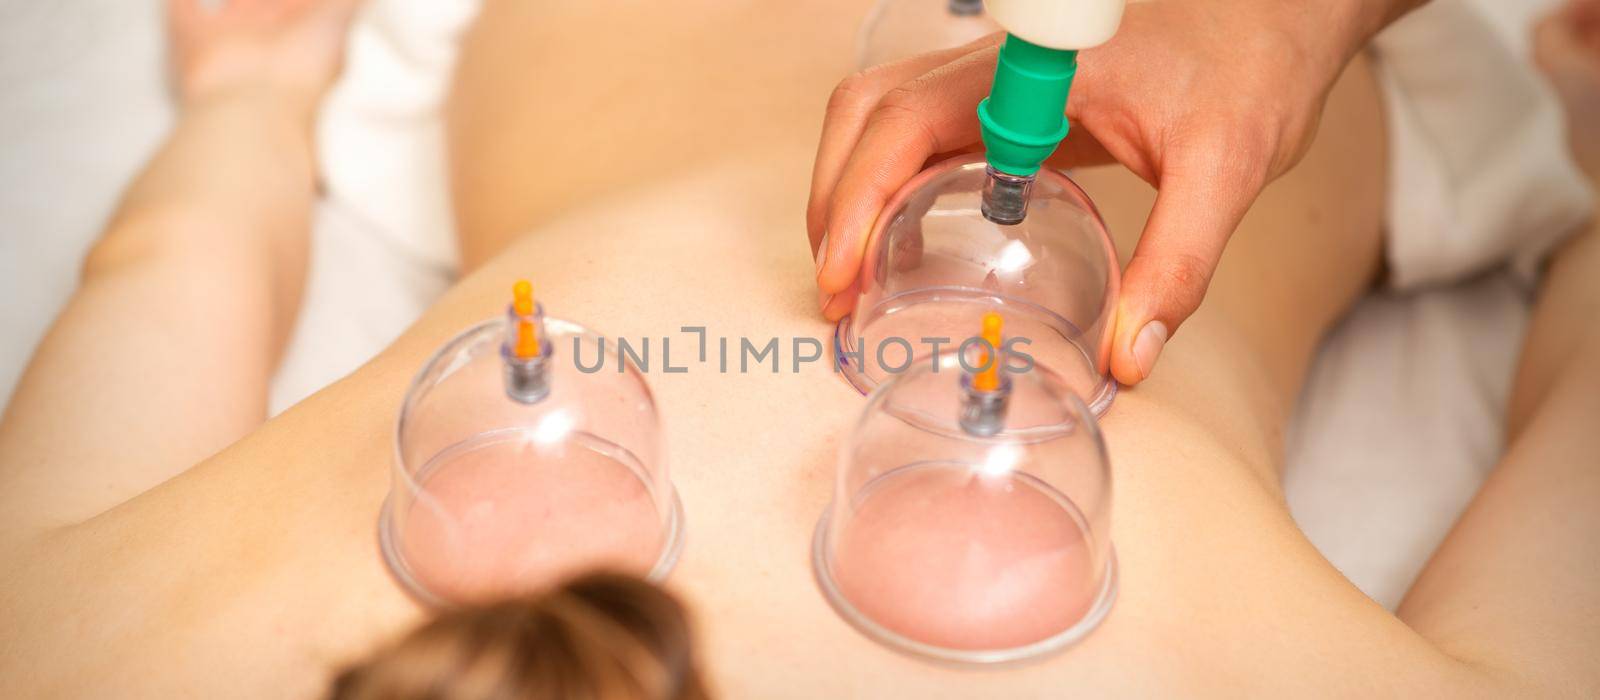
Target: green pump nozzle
x,y
1023,120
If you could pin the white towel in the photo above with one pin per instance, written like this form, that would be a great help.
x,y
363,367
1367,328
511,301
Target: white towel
x,y
383,247
1402,414
1479,171
382,136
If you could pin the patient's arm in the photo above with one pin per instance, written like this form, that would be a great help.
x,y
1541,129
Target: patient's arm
x,y
163,355
1515,587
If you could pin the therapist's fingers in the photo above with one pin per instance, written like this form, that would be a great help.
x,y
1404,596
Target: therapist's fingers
x,y
1202,195
849,108
929,115
837,306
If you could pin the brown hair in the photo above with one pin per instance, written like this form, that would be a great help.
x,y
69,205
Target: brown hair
x,y
598,637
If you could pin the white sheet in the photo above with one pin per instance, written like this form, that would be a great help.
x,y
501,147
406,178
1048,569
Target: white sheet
x,y
1400,421
1402,414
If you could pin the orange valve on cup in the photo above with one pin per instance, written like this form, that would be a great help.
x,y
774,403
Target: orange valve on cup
x,y
527,378
527,338
985,392
988,378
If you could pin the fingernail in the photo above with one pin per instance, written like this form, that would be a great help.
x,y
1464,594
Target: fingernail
x,y
823,300
822,252
1147,346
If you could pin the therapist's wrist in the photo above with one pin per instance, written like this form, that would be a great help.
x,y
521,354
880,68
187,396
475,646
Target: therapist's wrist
x,y
1332,32
1365,18
1316,38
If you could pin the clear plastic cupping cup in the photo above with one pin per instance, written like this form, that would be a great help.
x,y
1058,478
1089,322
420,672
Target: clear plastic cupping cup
x,y
934,263
517,467
897,29
970,527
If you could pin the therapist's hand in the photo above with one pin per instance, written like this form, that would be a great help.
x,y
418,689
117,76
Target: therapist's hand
x,y
1208,100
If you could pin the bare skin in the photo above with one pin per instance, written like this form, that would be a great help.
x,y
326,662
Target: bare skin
x,y
256,572
188,298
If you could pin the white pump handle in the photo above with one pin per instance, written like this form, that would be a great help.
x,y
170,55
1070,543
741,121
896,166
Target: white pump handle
x,y
1058,24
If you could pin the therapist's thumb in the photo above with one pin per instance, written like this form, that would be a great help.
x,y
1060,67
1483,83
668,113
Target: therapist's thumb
x,y
1198,205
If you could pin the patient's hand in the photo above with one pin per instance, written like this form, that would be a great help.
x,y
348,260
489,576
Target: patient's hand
x,y
292,49
1566,45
